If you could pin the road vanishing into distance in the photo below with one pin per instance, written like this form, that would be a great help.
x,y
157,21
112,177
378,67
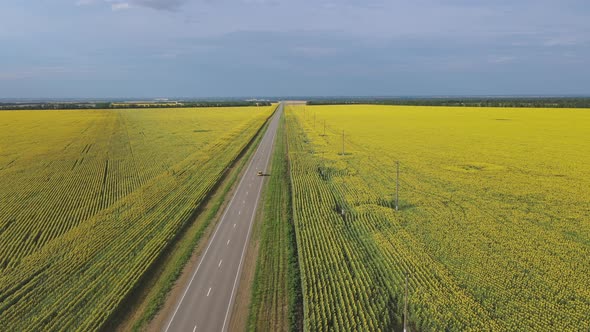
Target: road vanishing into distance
x,y
207,301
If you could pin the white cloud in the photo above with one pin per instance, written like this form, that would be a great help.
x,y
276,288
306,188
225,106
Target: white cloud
x,y
502,59
562,41
85,2
120,6
169,5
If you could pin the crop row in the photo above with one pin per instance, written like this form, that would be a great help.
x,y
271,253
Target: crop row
x,y
473,264
76,280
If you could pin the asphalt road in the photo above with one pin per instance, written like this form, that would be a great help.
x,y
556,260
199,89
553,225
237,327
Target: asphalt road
x,y
207,301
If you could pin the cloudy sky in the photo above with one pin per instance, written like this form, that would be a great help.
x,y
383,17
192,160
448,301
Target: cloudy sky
x,y
206,48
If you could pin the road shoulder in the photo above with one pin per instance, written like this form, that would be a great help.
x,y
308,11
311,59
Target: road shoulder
x,y
163,288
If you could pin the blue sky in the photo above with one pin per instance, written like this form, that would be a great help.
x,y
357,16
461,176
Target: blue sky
x,y
218,48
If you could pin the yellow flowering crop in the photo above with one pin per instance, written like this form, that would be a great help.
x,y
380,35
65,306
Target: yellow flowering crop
x,y
493,224
89,199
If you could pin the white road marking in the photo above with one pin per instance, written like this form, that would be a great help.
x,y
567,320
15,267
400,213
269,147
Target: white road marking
x,y
265,139
244,202
240,212
209,291
242,257
195,328
227,243
246,193
219,265
211,241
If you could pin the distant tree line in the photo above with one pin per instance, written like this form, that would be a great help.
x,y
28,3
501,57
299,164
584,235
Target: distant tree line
x,y
546,102
119,105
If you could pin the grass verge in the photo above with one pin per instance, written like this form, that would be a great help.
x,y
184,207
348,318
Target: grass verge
x,y
152,293
276,303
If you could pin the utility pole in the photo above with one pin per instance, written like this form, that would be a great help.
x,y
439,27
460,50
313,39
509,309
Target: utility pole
x,y
323,166
406,305
397,187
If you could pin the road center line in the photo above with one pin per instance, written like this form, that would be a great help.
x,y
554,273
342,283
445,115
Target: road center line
x,y
218,227
219,265
238,272
227,243
209,291
194,329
